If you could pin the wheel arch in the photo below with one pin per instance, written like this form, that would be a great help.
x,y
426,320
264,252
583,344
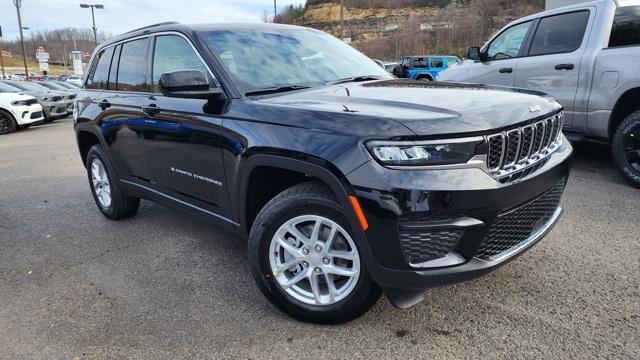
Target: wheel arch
x,y
302,169
625,106
86,138
424,75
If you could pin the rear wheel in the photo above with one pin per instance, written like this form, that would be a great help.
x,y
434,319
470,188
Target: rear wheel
x,y
425,78
7,123
625,148
304,258
111,200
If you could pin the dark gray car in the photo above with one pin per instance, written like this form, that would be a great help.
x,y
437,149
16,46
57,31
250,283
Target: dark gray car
x,y
54,103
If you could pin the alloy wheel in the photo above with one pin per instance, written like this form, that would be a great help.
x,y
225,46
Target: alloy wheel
x,y
632,147
100,182
314,260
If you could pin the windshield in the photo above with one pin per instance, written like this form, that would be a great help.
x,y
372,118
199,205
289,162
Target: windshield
x,y
260,59
27,86
8,88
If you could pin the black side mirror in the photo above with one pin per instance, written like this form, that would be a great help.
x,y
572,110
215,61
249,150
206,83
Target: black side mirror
x,y
192,84
473,53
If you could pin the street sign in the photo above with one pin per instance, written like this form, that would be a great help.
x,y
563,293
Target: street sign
x,y
42,56
40,49
44,66
87,55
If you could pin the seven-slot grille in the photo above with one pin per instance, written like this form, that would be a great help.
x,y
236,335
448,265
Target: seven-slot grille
x,y
515,149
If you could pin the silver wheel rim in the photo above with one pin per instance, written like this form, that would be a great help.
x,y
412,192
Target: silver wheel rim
x,y
314,260
100,182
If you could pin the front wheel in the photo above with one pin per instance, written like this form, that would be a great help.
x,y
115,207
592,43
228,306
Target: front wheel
x,y
304,258
625,148
7,123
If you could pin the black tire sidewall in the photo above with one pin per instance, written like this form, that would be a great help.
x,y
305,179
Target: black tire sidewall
x,y
96,153
267,223
13,126
619,152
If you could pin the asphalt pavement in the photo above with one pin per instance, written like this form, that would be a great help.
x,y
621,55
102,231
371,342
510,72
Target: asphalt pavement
x,y
164,285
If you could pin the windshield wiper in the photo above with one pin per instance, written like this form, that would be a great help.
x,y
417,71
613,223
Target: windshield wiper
x,y
276,89
355,79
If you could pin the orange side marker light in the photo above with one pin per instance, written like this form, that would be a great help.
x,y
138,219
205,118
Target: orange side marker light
x,y
358,210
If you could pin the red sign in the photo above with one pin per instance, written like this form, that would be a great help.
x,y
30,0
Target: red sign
x,y
87,55
6,53
40,49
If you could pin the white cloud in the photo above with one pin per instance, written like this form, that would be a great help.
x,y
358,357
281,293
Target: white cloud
x,y
119,16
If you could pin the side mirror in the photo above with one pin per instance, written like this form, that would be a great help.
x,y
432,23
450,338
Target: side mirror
x,y
473,53
191,84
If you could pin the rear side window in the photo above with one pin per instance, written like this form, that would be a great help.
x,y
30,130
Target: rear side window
x,y
132,70
436,62
626,27
420,63
173,53
99,73
560,33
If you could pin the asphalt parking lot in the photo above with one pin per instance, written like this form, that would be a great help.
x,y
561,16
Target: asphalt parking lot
x,y
165,285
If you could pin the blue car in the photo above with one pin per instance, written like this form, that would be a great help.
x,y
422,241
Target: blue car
x,y
423,67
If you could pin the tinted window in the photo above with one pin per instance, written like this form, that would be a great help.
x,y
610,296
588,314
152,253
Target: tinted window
x,y
626,27
132,70
560,33
436,63
99,73
508,44
113,76
419,63
173,53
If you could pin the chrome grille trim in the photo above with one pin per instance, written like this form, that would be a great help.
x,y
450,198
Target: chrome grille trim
x,y
533,142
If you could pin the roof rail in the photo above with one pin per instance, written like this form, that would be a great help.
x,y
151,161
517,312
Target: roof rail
x,y
153,25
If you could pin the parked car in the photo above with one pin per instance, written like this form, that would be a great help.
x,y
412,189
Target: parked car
x,y
68,85
55,104
423,67
586,56
390,66
74,79
345,180
17,110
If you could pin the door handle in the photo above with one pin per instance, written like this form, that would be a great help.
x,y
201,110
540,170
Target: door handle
x,y
505,70
104,104
151,109
564,67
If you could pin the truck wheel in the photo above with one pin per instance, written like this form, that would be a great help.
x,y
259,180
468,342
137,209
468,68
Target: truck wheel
x,y
111,200
625,148
7,123
425,78
304,259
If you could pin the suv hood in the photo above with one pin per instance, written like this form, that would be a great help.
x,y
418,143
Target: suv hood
x,y
426,108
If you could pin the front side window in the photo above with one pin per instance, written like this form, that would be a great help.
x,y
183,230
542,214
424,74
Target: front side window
x,y
99,74
436,63
173,53
132,70
260,59
626,27
509,42
560,33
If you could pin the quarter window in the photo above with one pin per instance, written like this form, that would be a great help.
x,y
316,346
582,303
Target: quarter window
x,y
508,44
626,27
99,74
132,70
560,33
173,53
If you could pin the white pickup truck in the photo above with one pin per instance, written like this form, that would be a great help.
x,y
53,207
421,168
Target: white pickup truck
x,y
587,56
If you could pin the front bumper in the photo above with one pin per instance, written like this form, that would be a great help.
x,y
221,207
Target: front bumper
x,y
28,114
54,109
462,202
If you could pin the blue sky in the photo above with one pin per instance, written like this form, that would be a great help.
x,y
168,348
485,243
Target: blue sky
x,y
122,15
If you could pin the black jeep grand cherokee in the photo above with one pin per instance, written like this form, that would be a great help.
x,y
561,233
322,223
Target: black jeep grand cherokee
x,y
347,182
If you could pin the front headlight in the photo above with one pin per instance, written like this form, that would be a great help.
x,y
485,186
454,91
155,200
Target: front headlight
x,y
19,102
424,153
45,99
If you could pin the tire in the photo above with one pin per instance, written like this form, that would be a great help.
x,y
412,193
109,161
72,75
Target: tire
x,y
47,119
425,78
302,202
625,148
7,123
119,205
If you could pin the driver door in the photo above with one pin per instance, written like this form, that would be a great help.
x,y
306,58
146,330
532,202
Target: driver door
x,y
502,56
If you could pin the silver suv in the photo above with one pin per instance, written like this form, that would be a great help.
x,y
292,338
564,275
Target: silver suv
x,y
585,56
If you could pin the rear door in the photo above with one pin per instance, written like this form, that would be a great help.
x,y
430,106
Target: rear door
x,y
552,64
182,136
502,55
127,90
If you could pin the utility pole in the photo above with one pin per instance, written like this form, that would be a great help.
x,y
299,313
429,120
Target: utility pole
x,y
18,4
275,11
1,61
93,18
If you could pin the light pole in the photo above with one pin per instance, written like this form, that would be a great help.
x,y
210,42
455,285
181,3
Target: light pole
x,y
18,4
93,18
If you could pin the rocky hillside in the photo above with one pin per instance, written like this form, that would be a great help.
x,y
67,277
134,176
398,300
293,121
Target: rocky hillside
x,y
389,29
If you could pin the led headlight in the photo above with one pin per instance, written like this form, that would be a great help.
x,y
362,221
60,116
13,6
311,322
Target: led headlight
x,y
424,153
19,102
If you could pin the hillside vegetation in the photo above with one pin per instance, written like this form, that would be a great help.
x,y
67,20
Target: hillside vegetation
x,y
389,29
